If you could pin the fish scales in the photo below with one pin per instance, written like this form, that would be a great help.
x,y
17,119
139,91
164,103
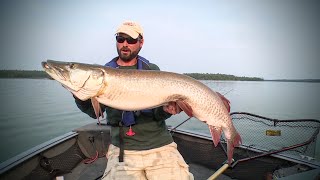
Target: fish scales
x,y
131,90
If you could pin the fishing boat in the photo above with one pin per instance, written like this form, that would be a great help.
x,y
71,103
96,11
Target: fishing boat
x,y
269,150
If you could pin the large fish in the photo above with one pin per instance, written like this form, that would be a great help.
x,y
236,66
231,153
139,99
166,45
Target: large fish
x,y
133,90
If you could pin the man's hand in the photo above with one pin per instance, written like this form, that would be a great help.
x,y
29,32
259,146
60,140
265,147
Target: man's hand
x,y
225,101
172,108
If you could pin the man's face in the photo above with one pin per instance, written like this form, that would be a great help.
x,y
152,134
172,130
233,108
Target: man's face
x,y
127,47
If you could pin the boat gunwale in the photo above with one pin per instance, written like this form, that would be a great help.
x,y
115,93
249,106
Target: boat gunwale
x,y
28,154
281,155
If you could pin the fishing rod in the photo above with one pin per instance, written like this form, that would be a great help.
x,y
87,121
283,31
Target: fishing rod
x,y
234,163
179,125
266,153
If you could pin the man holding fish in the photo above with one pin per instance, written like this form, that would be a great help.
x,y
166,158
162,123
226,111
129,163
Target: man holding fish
x,y
141,146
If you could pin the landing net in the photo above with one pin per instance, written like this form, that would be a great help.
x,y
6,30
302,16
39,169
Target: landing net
x,y
295,137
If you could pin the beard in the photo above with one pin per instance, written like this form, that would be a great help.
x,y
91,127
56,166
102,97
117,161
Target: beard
x,y
129,55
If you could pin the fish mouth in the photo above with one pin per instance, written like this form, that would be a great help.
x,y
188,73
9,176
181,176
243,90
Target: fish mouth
x,y
45,65
50,68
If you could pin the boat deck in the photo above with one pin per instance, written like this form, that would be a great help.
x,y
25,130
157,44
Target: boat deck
x,y
64,156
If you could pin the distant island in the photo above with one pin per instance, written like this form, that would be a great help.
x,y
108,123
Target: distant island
x,y
224,77
24,74
36,74
200,76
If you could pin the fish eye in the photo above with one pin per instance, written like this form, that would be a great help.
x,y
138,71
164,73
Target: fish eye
x,y
72,66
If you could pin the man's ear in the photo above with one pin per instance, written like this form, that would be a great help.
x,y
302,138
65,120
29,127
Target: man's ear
x,y
141,42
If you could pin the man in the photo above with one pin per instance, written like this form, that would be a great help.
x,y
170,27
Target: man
x,y
141,146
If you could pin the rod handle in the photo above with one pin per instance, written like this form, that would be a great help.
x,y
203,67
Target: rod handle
x,y
218,172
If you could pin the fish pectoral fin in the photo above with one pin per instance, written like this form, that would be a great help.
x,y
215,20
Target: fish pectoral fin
x,y
215,134
96,107
185,107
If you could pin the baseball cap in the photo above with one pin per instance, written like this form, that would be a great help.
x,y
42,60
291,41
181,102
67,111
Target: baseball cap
x,y
130,28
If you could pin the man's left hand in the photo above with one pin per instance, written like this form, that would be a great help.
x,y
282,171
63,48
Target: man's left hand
x,y
172,108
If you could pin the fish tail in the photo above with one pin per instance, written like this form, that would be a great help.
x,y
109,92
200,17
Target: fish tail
x,y
232,143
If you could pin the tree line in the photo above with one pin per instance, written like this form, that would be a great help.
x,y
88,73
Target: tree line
x,y
208,76
34,74
31,74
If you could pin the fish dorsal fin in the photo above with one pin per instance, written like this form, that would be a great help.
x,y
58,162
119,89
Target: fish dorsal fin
x,y
216,134
97,109
185,107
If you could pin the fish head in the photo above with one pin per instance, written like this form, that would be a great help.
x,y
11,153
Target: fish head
x,y
83,80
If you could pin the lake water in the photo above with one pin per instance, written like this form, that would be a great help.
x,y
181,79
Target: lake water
x,y
36,110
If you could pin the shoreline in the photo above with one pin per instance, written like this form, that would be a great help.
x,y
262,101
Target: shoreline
x,y
37,74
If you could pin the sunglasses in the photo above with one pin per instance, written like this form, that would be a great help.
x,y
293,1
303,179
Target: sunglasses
x,y
129,40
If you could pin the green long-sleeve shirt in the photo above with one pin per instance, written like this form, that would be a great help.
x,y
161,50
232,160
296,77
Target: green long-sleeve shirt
x,y
150,128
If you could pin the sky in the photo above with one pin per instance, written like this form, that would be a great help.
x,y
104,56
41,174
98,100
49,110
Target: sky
x,y
270,39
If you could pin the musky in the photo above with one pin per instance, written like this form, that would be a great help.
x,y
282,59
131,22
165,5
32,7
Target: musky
x,y
271,39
